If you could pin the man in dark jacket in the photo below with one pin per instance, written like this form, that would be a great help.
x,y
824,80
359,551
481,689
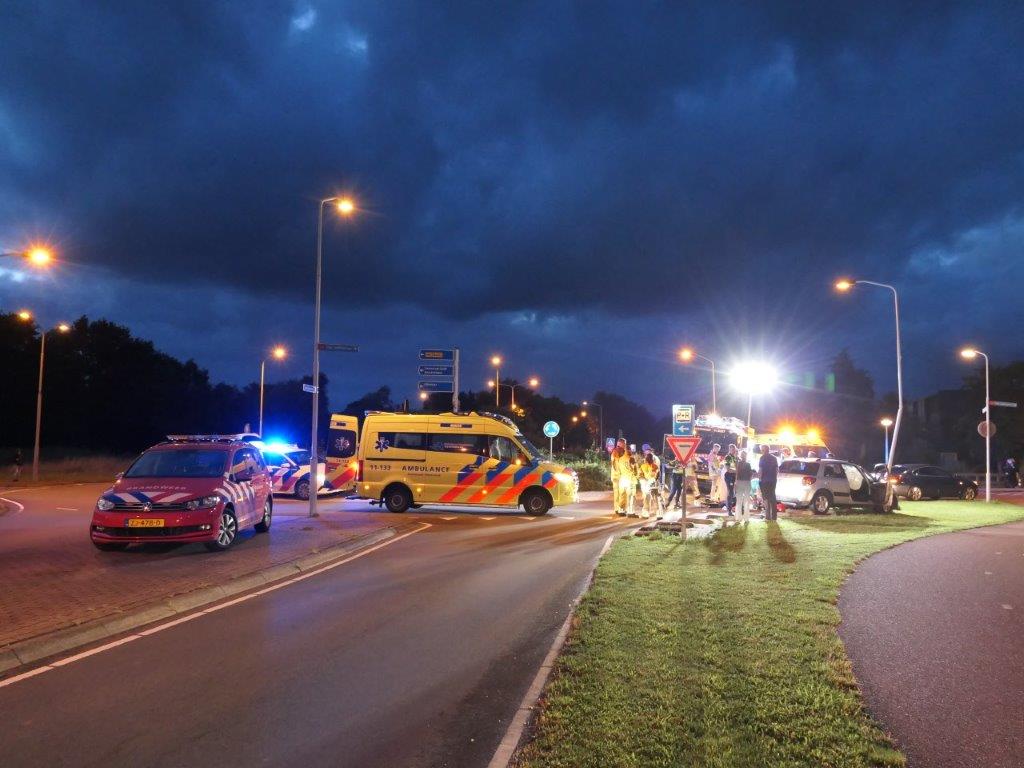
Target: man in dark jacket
x,y
768,476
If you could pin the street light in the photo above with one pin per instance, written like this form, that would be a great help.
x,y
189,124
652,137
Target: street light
x,y
970,353
61,328
600,417
886,423
346,208
36,255
686,355
754,378
533,382
844,285
277,353
496,362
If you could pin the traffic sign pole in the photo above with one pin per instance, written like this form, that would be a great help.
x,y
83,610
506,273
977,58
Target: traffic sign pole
x,y
455,381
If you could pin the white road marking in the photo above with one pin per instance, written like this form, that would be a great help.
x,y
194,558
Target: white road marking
x,y
204,611
988,573
1007,606
451,517
67,509
487,518
20,507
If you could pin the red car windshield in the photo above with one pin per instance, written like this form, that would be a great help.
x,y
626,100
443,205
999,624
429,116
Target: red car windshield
x,y
179,462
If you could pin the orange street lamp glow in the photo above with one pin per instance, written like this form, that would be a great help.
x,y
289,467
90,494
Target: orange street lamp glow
x,y
575,419
886,422
63,327
496,361
25,315
686,354
423,395
279,353
534,382
583,414
969,353
346,206
39,256
490,384
844,285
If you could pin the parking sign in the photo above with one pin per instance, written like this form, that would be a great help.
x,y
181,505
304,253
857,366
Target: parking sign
x,y
682,420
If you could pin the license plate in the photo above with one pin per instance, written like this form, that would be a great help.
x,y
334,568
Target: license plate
x,y
143,522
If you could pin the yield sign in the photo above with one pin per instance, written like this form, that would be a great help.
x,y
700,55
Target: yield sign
x,y
683,447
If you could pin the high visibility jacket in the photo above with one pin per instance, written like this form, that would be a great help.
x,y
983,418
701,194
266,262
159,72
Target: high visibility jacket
x,y
648,471
624,467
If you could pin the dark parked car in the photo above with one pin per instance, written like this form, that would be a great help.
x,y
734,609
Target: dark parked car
x,y
926,481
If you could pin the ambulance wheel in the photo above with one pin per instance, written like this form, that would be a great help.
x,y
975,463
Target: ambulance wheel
x,y
397,498
536,503
302,490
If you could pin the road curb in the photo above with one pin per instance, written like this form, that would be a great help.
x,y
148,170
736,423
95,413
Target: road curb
x,y
32,650
510,742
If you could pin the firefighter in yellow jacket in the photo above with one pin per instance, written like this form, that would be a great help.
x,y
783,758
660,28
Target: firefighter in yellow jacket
x,y
624,468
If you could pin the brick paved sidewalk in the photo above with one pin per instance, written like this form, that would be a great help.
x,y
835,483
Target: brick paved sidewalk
x,y
51,577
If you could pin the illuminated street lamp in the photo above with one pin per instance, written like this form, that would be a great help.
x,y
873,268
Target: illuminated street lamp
x,y
753,378
26,316
533,382
686,355
843,286
346,208
277,353
886,423
36,255
970,353
496,362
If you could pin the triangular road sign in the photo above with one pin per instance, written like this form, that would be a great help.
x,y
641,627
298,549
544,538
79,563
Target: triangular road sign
x,y
683,447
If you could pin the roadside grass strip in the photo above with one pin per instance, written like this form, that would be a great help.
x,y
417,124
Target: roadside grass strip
x,y
723,652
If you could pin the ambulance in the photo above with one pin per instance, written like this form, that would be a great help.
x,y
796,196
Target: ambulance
x,y
711,429
791,443
404,461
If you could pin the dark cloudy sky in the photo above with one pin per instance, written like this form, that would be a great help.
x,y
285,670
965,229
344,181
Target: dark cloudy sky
x,y
579,186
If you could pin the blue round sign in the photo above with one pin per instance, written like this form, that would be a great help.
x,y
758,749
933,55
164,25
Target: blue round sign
x,y
551,429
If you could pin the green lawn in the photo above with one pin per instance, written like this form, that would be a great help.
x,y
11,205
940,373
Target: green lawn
x,y
724,652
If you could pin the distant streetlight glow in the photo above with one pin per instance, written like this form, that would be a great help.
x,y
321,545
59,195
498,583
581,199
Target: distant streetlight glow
x,y
36,255
423,396
534,382
844,285
346,206
25,315
279,353
63,327
886,422
968,354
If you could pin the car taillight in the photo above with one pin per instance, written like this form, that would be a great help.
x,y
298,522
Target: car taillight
x,y
359,470
808,480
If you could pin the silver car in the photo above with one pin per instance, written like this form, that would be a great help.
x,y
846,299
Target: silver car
x,y
820,484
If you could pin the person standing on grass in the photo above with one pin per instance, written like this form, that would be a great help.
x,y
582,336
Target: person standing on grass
x,y
729,476
768,476
18,461
677,493
614,472
741,488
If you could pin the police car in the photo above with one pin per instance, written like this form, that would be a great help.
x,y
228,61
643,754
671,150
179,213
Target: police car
x,y
289,468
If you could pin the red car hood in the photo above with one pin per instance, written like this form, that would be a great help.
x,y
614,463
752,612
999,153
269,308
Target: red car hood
x,y
163,491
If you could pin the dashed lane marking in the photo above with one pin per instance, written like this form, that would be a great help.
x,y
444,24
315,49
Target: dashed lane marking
x,y
213,609
1007,606
66,509
450,517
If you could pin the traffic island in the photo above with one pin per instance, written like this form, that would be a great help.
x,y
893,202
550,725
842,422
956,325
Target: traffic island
x,y
725,652
70,595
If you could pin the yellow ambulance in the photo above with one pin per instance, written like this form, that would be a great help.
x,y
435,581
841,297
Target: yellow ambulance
x,y
791,442
404,460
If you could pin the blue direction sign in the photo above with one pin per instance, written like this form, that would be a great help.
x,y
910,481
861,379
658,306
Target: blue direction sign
x,y
437,370
436,386
551,429
437,354
682,420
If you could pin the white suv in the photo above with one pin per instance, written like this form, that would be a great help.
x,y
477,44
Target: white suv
x,y
825,483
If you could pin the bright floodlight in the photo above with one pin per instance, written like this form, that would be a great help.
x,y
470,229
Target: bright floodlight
x,y
25,315
279,353
346,206
886,422
754,377
39,256
969,353
844,285
686,354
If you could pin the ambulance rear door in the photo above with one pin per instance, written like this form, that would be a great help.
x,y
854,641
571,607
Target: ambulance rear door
x,y
342,444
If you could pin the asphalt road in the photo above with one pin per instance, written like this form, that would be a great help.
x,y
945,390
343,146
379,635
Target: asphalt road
x,y
416,654
935,630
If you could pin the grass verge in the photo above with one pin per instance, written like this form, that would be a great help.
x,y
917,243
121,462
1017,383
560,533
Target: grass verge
x,y
724,652
80,469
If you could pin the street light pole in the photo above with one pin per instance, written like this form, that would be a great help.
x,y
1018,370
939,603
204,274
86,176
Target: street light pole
x,y
496,362
886,423
263,370
346,207
686,355
969,354
845,285
39,405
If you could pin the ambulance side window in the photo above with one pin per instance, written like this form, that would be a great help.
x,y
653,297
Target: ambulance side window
x,y
455,443
503,449
341,443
